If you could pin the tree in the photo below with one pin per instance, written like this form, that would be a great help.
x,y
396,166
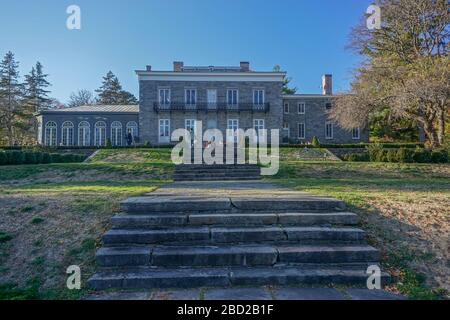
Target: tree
x,y
285,88
35,85
405,70
81,98
11,97
111,92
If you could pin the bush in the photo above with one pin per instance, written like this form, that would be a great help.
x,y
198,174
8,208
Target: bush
x,y
56,158
39,157
405,155
30,158
16,157
359,157
422,156
375,152
439,156
391,155
46,158
315,142
3,158
108,143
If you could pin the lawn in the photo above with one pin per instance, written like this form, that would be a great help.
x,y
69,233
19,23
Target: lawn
x,y
52,216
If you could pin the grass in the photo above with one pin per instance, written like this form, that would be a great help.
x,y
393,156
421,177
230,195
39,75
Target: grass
x,y
52,216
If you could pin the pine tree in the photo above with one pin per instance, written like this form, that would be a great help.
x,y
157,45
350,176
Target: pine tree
x,y
111,92
36,84
11,97
285,88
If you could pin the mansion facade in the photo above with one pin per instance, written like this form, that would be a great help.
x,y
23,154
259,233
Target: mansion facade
x,y
221,97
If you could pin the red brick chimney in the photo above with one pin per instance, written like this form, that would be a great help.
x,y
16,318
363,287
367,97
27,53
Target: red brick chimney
x,y
245,66
327,85
178,66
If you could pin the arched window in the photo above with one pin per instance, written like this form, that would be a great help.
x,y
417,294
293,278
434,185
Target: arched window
x,y
50,134
132,130
116,133
100,133
84,134
67,133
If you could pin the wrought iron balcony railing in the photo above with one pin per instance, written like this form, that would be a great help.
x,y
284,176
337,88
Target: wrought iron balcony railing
x,y
211,107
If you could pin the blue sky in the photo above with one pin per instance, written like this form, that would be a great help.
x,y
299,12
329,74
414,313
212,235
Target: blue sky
x,y
307,38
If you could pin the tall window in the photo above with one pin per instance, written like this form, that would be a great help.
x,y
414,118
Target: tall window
x,y
233,125
190,97
164,130
301,130
286,108
164,97
258,97
258,124
301,108
355,133
100,133
232,97
329,130
132,129
50,133
84,134
116,133
67,133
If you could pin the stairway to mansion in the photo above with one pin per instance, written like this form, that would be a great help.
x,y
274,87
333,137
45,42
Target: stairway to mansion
x,y
230,234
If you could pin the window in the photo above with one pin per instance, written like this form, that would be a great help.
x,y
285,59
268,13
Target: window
x,y
233,124
116,133
355,133
189,125
100,133
328,105
211,96
329,130
232,97
286,108
258,97
258,124
84,134
67,133
164,130
301,130
301,108
132,129
164,97
190,97
50,134
286,133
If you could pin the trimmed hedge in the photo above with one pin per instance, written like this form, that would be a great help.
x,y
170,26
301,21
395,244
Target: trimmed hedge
x,y
401,155
28,157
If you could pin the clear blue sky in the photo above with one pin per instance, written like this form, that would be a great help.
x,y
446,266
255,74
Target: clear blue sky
x,y
307,38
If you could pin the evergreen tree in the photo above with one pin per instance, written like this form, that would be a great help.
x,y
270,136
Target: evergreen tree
x,y
11,98
36,84
111,92
285,88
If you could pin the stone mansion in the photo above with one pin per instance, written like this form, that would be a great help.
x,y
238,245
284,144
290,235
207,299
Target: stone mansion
x,y
220,97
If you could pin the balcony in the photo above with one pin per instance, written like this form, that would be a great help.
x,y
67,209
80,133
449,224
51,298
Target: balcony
x,y
211,107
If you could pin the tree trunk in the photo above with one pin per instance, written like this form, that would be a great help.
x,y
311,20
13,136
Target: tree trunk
x,y
441,127
430,134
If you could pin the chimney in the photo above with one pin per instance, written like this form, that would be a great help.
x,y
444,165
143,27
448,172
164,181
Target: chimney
x,y
245,66
178,66
148,68
327,85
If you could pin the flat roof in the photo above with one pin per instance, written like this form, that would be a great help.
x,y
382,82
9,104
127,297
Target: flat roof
x,y
96,109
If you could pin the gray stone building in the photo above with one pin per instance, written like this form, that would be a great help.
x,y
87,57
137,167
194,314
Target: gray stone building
x,y
220,97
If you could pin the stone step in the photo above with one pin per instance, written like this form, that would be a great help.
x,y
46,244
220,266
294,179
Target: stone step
x,y
207,168
124,221
206,235
215,166
238,255
214,178
155,278
151,204
217,174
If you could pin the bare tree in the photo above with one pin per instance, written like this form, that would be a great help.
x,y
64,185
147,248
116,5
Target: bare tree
x,y
81,98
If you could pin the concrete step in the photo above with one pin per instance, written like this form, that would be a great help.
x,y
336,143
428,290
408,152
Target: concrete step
x,y
124,221
155,278
206,235
217,174
215,166
151,204
238,255
214,178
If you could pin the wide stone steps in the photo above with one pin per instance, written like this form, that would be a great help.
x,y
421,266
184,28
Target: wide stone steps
x,y
214,178
124,221
162,204
213,235
216,172
150,278
239,255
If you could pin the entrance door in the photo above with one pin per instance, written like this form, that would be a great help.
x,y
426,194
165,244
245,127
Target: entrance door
x,y
164,130
233,124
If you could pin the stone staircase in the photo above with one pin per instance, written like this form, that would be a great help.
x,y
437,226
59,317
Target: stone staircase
x,y
196,234
216,172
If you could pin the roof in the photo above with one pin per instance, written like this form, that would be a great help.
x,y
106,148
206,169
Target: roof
x,y
304,96
97,109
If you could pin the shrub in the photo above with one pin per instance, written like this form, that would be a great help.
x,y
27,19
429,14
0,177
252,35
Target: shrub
x,y
16,157
315,142
46,157
30,158
391,155
422,156
360,157
375,152
56,158
3,158
108,143
439,156
39,157
405,155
